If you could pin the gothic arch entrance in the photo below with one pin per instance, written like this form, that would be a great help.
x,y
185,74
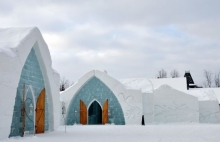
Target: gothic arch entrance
x,y
94,90
95,114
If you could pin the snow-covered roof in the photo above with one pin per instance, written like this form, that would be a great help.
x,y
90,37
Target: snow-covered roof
x,y
148,85
11,38
142,84
15,46
203,95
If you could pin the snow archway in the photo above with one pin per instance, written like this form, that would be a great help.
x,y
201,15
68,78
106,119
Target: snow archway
x,y
129,101
16,44
95,89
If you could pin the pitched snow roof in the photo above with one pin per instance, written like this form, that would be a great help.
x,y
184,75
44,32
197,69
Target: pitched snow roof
x,y
203,94
12,38
148,85
143,84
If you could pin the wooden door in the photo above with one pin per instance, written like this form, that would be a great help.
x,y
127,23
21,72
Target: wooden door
x,y
105,113
83,113
40,113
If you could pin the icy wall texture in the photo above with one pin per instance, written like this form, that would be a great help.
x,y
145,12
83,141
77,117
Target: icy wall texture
x,y
31,75
148,107
95,89
172,106
209,112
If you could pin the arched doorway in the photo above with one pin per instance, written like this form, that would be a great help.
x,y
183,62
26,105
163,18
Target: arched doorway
x,y
32,77
95,114
95,90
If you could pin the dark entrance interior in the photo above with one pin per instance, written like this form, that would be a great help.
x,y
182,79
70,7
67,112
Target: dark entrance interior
x,y
95,114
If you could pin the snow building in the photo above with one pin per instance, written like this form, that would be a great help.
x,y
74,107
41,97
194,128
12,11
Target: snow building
x,y
31,101
98,98
208,99
166,104
172,102
28,83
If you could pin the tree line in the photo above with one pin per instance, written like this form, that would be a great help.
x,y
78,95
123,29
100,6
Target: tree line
x,y
211,79
163,74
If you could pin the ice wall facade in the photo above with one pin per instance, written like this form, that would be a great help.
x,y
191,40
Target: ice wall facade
x,y
31,75
209,112
95,89
171,106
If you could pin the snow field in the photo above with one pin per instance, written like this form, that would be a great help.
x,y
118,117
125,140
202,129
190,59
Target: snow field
x,y
129,133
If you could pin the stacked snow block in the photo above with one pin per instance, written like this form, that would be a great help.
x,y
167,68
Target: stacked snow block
x,y
92,90
31,75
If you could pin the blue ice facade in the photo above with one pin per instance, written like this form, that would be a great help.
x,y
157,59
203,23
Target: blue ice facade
x,y
31,75
95,89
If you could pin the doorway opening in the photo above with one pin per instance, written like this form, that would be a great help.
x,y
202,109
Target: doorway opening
x,y
95,114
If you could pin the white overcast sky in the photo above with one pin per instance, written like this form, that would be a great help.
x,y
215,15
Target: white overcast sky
x,y
127,38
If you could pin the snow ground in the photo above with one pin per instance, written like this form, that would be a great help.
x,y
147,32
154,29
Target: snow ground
x,y
113,133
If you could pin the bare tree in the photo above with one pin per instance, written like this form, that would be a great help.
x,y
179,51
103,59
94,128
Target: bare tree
x,y
64,84
217,79
174,73
162,74
208,79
